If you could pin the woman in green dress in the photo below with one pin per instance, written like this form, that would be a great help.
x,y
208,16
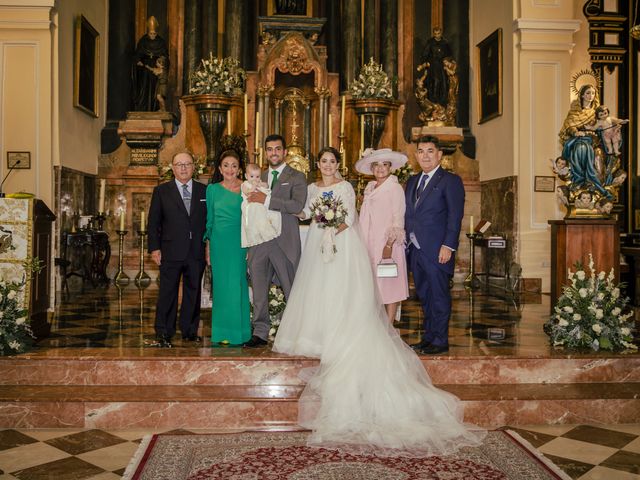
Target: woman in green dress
x,y
230,323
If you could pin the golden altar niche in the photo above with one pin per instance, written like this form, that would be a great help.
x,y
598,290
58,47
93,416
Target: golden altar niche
x,y
293,94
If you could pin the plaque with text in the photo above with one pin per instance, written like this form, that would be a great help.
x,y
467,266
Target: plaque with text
x,y
144,156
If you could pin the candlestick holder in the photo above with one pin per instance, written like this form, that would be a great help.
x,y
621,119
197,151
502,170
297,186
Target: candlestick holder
x,y
99,219
471,282
121,278
142,280
344,170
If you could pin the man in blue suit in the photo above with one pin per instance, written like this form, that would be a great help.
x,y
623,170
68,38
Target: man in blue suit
x,y
435,205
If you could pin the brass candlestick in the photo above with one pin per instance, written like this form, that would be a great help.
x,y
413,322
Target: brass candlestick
x,y
121,278
142,279
471,281
344,170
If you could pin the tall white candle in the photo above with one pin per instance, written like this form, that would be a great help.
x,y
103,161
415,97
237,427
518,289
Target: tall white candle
x,y
257,131
228,122
143,224
342,116
246,113
101,198
471,229
330,130
122,221
361,134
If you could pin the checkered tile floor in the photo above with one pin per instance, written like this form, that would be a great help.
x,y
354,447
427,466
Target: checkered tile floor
x,y
584,452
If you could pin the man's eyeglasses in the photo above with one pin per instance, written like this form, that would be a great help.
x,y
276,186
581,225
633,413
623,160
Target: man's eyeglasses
x,y
183,165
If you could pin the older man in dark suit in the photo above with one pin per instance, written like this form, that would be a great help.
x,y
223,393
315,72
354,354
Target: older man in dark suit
x,y
177,221
435,205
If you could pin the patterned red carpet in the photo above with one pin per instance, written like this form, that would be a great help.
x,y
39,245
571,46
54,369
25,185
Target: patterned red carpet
x,y
283,455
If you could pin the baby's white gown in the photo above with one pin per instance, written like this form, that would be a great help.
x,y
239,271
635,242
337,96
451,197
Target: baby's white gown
x,y
259,224
371,393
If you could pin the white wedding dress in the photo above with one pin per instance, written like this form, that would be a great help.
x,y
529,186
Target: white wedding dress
x,y
370,393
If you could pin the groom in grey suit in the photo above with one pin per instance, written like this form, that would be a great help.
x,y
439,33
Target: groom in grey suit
x,y
282,254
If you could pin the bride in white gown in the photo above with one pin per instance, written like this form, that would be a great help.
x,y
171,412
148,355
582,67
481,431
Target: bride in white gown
x,y
370,393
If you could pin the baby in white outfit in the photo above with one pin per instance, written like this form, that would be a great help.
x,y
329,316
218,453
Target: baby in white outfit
x,y
259,224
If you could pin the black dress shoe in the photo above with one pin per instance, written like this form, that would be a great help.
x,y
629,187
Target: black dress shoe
x,y
434,349
163,342
419,346
254,342
193,338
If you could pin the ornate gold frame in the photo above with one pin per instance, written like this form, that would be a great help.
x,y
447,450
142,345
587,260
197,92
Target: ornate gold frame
x,y
86,67
487,74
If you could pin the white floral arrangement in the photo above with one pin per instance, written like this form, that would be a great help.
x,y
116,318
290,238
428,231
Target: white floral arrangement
x,y
277,305
403,173
222,76
372,82
590,313
16,335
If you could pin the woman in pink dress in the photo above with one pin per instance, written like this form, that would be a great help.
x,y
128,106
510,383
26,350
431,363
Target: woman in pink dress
x,y
382,223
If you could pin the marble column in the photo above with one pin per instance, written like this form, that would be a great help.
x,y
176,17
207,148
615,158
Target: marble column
x,y
389,39
307,135
332,30
192,39
235,23
209,27
351,41
370,30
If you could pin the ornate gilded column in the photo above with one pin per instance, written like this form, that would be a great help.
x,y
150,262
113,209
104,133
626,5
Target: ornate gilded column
x,y
307,133
192,39
389,39
235,23
351,41
277,121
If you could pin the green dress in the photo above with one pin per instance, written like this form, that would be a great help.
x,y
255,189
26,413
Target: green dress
x,y
230,313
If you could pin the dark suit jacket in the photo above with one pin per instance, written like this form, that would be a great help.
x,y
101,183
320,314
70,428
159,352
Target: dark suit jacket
x,y
171,230
435,219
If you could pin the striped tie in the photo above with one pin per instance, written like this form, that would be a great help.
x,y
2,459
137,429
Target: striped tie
x,y
186,197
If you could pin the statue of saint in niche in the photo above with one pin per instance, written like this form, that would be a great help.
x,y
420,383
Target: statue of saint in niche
x,y
291,7
436,81
150,70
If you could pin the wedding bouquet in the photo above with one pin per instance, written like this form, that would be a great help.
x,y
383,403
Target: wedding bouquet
x,y
329,213
591,313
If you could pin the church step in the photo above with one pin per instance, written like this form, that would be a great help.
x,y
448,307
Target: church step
x,y
275,370
204,406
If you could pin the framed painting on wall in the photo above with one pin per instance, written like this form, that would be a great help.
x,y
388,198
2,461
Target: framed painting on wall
x,y
86,67
489,76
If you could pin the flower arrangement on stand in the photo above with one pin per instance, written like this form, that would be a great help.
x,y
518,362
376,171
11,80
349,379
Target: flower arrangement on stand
x,y
221,76
403,173
590,313
277,305
165,172
372,82
16,335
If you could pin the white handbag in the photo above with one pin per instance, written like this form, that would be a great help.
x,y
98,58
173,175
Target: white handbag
x,y
387,270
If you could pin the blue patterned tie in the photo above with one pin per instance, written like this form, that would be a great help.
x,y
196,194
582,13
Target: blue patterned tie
x,y
421,185
186,197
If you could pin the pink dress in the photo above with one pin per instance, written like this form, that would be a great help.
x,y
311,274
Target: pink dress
x,y
382,220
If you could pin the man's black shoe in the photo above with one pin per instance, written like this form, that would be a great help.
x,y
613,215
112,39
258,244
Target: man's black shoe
x,y
193,338
417,347
163,342
434,349
254,342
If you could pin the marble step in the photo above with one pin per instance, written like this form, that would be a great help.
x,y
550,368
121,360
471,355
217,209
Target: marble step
x,y
277,370
250,406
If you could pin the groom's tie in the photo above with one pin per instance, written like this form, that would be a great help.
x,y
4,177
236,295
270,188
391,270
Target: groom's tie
x,y
421,185
275,178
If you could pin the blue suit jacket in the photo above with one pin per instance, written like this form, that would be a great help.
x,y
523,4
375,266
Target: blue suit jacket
x,y
435,219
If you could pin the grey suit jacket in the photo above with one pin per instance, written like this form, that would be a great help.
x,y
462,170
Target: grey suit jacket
x,y
288,197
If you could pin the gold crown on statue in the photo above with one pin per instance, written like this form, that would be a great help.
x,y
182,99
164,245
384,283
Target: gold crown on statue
x,y
585,77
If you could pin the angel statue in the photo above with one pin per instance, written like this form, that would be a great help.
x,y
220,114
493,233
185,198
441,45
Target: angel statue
x,y
590,158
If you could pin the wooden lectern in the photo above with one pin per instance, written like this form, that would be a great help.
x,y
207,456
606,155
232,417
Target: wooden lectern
x,y
26,231
573,240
